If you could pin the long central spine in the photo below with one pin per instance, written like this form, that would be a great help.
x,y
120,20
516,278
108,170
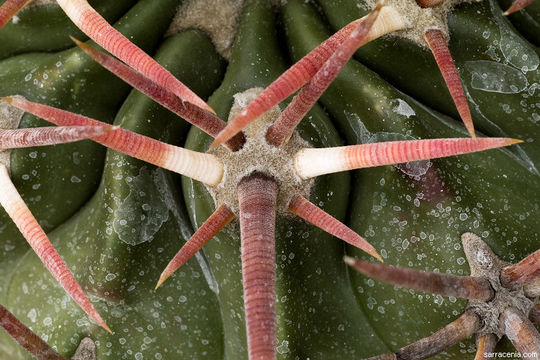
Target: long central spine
x,y
257,195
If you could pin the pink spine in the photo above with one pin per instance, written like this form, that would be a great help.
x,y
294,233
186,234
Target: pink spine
x,y
287,83
97,28
213,225
9,9
518,5
257,200
439,48
20,138
395,152
34,234
124,141
303,208
206,121
284,126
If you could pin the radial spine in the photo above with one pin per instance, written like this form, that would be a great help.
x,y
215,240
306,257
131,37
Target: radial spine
x,y
300,73
439,48
213,225
517,5
314,162
204,120
283,128
458,330
199,166
485,345
524,271
26,337
17,210
520,331
9,9
308,211
464,287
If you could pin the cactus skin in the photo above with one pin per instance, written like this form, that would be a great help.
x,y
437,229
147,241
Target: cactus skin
x,y
324,310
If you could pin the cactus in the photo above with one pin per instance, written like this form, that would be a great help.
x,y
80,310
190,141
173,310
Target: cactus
x,y
372,163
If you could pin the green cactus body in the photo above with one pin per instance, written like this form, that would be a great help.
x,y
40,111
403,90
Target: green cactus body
x,y
117,221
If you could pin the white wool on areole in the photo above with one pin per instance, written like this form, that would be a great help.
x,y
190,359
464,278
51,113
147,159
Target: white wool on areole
x,y
10,118
258,155
420,20
218,21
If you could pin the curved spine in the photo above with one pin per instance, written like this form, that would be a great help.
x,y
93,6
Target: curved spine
x,y
314,162
439,48
257,195
199,166
308,211
17,210
98,29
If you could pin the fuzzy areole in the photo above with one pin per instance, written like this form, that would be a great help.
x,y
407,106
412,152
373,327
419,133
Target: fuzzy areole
x,y
86,350
484,263
218,20
258,156
501,302
419,19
